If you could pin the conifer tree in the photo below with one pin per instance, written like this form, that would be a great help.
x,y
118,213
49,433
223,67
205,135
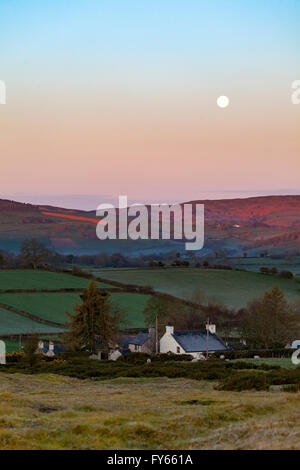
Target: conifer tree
x,y
92,326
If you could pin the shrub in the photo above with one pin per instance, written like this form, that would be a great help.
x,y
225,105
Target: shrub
x,y
286,274
250,353
141,358
14,357
245,381
134,358
264,270
223,266
293,388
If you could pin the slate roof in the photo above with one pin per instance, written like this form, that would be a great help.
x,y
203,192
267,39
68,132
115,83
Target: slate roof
x,y
139,339
195,341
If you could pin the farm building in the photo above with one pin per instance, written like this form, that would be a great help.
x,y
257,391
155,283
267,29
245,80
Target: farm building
x,y
294,344
52,349
142,342
191,342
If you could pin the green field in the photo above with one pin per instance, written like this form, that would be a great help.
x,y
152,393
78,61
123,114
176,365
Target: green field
x,y
284,362
133,306
11,324
38,279
53,306
289,263
12,345
233,288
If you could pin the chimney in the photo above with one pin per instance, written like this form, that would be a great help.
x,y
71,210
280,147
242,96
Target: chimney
x,y
169,329
211,328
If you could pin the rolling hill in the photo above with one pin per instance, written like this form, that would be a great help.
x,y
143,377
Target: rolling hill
x,y
253,224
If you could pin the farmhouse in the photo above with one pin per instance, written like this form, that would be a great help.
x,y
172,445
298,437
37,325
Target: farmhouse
x,y
142,342
191,342
293,344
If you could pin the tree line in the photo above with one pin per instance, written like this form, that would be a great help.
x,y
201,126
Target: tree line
x,y
33,253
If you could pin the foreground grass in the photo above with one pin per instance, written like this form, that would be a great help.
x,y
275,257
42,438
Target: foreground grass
x,y
55,412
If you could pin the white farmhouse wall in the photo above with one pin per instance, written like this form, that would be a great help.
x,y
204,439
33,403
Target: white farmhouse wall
x,y
169,344
114,355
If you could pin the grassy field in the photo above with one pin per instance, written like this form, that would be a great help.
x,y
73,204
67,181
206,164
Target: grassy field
x,y
254,264
53,306
38,279
133,306
56,412
11,323
234,288
284,362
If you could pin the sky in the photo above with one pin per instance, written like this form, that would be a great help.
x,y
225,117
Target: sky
x,y
118,97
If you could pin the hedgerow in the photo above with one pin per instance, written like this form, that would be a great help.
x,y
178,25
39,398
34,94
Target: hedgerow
x,y
250,353
235,376
139,357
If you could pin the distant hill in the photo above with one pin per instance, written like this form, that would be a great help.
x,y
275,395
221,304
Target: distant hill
x,y
233,225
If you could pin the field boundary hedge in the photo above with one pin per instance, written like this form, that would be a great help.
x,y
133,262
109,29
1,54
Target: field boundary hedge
x,y
130,288
17,335
41,291
236,376
63,290
122,288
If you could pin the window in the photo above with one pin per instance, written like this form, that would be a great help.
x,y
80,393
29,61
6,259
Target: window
x,y
178,350
136,347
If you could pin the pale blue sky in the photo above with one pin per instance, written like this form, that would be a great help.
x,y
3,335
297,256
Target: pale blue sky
x,y
102,86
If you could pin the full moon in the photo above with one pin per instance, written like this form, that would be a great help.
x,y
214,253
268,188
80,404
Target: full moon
x,y
223,101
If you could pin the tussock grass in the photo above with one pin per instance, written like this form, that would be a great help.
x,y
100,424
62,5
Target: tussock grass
x,y
57,412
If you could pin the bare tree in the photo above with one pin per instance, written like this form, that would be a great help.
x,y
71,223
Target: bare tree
x,y
270,321
34,253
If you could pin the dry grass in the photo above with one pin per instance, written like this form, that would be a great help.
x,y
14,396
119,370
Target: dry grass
x,y
55,412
